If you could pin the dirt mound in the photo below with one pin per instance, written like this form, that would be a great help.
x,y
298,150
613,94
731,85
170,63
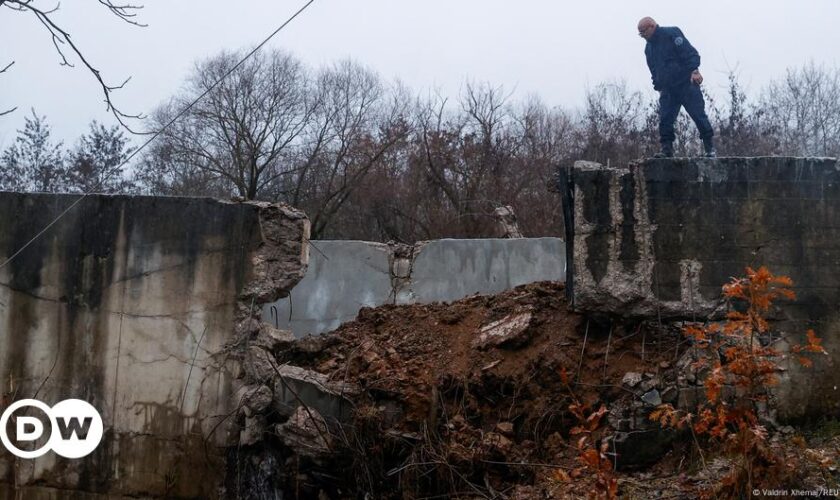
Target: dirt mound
x,y
471,398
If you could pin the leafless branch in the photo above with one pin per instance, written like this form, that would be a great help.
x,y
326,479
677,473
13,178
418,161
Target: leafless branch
x,y
126,12
61,40
11,110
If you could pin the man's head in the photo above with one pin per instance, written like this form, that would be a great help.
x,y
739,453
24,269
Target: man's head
x,y
647,26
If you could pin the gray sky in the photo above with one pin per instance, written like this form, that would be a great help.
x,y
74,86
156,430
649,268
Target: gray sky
x,y
550,48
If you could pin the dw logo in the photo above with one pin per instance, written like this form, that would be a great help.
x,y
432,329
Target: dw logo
x,y
75,428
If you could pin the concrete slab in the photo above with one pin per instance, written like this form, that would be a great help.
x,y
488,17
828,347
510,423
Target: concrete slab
x,y
343,277
447,270
125,304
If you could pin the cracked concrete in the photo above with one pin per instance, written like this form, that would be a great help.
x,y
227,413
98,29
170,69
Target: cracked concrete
x,y
614,268
129,304
659,237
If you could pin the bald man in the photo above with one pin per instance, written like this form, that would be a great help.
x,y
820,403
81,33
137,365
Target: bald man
x,y
674,68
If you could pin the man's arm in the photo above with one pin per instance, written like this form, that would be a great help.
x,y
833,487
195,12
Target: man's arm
x,y
689,56
650,67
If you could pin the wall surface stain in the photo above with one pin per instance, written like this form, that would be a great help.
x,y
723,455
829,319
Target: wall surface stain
x,y
695,224
127,303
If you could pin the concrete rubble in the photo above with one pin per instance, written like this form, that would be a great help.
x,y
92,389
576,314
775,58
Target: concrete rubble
x,y
508,226
444,396
401,369
511,330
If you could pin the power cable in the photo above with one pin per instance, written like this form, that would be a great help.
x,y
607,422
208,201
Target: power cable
x,y
156,134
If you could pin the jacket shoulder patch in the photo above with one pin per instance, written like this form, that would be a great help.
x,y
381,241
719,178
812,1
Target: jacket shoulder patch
x,y
679,40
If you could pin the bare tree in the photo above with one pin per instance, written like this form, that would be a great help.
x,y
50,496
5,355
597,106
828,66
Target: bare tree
x,y
612,124
804,109
65,46
274,130
546,141
353,127
487,152
464,155
743,127
244,134
162,171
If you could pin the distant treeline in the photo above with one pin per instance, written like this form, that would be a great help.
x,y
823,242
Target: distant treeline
x,y
375,161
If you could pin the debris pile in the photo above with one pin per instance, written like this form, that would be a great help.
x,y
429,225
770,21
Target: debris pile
x,y
448,399
477,398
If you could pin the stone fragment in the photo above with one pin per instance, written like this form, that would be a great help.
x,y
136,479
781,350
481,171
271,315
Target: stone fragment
x,y
490,365
649,384
259,365
507,225
512,330
246,328
253,431
631,379
311,344
257,399
295,386
652,398
306,432
283,256
271,338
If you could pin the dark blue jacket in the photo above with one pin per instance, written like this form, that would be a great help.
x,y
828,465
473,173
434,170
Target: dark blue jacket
x,y
670,57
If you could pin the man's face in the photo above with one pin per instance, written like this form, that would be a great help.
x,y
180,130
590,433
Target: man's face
x,y
646,30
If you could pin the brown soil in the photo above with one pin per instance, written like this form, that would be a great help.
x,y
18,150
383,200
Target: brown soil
x,y
409,351
444,417
440,417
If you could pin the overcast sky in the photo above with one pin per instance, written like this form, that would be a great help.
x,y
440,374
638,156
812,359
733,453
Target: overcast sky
x,y
551,48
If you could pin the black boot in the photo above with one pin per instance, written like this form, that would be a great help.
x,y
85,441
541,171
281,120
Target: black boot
x,y
667,151
709,148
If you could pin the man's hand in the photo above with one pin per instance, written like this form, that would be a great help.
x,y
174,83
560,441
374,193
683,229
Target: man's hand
x,y
696,77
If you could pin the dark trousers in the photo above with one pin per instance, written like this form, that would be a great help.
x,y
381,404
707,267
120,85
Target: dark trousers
x,y
670,101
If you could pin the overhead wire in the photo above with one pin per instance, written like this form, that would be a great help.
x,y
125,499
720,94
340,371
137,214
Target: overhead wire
x,y
156,134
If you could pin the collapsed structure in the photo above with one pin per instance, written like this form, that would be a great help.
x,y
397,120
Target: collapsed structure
x,y
658,239
152,309
134,304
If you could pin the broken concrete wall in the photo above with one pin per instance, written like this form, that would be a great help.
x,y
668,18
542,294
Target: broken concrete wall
x,y
345,276
130,303
660,237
